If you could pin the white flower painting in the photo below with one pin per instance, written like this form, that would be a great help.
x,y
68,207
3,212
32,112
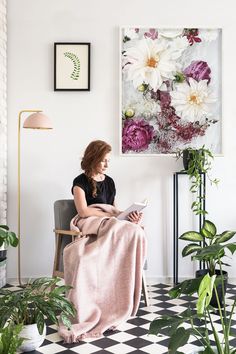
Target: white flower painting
x,y
171,89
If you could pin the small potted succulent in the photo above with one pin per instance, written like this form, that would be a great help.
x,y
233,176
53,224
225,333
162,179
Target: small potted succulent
x,y
41,299
200,319
196,162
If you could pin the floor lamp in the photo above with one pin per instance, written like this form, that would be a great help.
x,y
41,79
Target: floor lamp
x,y
36,120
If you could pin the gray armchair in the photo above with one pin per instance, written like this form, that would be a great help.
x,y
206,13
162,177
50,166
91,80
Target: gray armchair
x,y
64,211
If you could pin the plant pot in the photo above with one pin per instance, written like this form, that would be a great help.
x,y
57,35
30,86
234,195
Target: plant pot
x,y
188,155
3,255
186,158
213,302
3,272
34,339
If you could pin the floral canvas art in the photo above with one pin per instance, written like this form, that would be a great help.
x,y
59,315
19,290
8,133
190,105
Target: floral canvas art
x,y
170,90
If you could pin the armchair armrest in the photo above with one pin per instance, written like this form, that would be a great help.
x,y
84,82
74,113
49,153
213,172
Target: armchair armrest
x,y
68,232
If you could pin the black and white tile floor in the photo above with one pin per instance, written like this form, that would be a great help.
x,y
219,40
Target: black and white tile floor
x,y
132,336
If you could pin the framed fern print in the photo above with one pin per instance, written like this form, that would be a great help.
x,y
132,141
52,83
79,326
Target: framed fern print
x,y
71,66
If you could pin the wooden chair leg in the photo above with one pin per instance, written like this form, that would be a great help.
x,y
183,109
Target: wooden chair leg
x,y
144,290
56,257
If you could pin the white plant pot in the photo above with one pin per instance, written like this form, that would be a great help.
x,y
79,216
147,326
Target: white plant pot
x,y
34,339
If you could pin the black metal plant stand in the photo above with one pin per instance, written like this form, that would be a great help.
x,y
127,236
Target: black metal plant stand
x,y
202,191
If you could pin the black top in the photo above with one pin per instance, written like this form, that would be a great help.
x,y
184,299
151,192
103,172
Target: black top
x,y
106,189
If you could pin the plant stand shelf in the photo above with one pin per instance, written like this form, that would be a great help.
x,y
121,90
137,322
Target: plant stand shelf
x,y
176,219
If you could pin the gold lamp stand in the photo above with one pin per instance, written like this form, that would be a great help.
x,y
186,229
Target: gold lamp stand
x,y
36,120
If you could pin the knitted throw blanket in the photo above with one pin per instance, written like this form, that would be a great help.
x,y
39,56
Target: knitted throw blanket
x,y
105,270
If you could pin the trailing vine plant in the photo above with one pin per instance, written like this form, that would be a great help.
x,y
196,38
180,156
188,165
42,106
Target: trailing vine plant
x,y
76,62
198,161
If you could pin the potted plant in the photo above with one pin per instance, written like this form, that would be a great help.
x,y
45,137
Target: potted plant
x,y
204,286
196,162
208,246
7,238
41,299
10,340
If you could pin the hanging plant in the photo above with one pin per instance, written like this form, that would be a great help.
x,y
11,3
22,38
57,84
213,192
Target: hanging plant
x,y
196,162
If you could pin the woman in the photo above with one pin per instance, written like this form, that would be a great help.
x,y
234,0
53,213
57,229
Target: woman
x,y
104,269
94,186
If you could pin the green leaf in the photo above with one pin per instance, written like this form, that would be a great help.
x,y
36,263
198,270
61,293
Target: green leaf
x,y
191,236
5,227
66,321
209,227
206,233
192,247
225,236
76,62
212,251
159,324
187,287
231,247
205,293
40,322
208,351
202,212
179,339
194,204
13,240
61,290
193,189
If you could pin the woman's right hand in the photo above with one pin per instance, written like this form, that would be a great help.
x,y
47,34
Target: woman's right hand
x,y
135,217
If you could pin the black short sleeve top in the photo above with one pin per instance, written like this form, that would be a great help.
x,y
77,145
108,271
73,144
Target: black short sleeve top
x,y
106,189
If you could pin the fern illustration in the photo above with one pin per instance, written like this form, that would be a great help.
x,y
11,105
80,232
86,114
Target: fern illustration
x,y
76,62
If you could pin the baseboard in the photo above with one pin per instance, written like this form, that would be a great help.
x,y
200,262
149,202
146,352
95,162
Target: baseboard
x,y
149,280
170,280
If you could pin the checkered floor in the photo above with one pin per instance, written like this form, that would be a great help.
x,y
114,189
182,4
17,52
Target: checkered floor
x,y
132,336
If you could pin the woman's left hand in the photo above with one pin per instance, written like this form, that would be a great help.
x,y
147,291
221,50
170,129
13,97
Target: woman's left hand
x,y
135,217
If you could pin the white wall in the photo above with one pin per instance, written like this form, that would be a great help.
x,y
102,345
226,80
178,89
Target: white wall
x,y
50,160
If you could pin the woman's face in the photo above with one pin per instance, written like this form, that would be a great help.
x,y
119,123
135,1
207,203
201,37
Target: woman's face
x,y
103,165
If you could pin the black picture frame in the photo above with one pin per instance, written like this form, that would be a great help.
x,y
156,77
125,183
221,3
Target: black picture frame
x,y
72,66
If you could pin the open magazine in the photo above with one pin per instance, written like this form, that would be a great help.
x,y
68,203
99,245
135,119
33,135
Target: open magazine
x,y
136,206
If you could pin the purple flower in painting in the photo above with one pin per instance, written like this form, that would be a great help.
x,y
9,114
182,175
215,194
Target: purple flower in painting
x,y
198,70
192,35
137,135
151,34
187,132
162,96
166,141
165,99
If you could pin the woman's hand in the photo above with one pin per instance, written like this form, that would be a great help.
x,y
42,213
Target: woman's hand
x,y
135,217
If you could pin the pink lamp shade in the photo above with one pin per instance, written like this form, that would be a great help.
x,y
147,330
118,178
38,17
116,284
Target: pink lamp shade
x,y
37,121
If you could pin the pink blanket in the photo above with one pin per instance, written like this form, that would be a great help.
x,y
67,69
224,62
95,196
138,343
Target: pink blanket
x,y
105,270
